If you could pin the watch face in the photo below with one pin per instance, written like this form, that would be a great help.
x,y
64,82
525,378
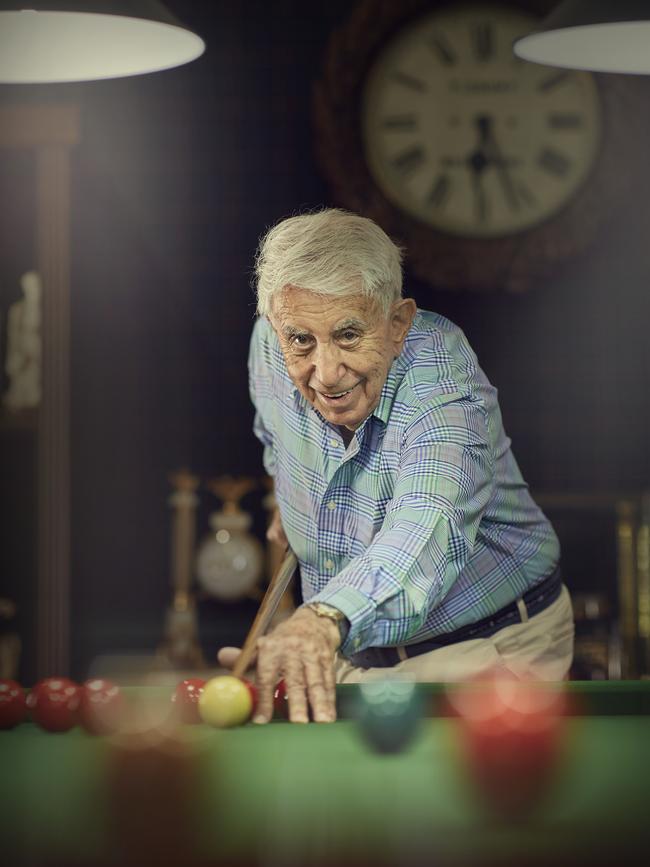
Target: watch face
x,y
466,137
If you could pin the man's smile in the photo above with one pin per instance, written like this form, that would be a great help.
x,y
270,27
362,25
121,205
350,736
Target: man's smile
x,y
335,397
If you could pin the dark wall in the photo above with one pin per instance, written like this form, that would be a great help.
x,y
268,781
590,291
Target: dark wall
x,y
177,175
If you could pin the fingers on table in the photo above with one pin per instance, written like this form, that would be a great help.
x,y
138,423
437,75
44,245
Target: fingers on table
x,y
268,674
308,671
296,686
319,676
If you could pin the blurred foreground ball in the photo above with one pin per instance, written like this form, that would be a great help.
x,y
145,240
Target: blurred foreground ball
x,y
510,732
101,707
389,714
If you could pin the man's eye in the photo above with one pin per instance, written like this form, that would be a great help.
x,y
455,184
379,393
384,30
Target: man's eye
x,y
348,336
299,340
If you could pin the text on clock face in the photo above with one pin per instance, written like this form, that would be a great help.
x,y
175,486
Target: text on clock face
x,y
469,139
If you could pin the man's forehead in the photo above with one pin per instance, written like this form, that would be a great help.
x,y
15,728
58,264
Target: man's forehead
x,y
294,306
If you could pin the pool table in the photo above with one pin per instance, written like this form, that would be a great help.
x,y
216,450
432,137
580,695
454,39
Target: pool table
x,y
285,794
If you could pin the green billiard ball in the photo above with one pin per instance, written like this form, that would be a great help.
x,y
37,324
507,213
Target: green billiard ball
x,y
388,714
225,702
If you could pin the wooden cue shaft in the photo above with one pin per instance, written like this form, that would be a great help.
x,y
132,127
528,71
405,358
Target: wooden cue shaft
x,y
267,609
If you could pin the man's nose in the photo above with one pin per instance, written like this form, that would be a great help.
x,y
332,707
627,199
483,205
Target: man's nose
x,y
328,365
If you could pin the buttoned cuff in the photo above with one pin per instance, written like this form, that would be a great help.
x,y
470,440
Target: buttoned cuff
x,y
359,611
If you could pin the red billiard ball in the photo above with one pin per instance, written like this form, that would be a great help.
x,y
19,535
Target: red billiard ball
x,y
101,706
511,732
186,700
253,691
54,703
252,688
13,705
280,700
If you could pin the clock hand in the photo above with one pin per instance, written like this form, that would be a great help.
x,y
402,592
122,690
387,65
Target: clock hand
x,y
477,162
495,157
480,202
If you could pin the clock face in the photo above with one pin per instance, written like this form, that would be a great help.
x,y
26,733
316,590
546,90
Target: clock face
x,y
469,139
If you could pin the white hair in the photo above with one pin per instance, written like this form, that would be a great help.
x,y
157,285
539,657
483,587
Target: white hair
x,y
329,252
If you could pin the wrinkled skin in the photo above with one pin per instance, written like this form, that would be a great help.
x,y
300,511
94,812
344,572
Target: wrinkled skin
x,y
301,650
338,352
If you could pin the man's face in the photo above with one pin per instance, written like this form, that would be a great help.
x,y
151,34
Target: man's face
x,y
338,351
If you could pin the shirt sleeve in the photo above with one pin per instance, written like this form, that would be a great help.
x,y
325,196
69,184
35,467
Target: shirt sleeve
x,y
259,385
443,484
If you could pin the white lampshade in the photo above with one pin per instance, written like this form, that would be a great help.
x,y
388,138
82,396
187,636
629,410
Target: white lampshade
x,y
53,41
596,35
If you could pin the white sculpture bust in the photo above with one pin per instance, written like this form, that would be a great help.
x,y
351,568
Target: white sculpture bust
x,y
23,365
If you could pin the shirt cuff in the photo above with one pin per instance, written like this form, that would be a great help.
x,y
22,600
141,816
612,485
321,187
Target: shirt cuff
x,y
359,611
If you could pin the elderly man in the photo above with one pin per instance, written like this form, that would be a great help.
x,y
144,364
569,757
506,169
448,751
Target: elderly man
x,y
420,548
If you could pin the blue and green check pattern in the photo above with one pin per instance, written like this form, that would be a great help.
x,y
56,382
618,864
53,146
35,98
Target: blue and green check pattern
x,y
424,523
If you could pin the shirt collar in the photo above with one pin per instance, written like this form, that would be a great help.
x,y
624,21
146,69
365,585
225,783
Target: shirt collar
x,y
383,409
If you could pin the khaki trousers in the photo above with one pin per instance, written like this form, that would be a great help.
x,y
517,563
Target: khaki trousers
x,y
540,647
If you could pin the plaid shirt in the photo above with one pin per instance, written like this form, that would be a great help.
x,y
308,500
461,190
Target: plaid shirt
x,y
424,523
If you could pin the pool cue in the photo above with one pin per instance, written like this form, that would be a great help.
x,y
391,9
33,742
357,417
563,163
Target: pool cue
x,y
267,609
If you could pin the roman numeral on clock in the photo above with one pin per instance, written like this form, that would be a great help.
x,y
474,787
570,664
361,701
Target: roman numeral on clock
x,y
553,81
439,192
409,160
565,120
410,81
399,121
554,162
441,46
483,40
525,194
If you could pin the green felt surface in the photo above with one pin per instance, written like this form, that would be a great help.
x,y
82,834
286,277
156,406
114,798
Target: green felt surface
x,y
316,794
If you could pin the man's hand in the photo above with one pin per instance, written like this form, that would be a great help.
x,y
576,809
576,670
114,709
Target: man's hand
x,y
301,651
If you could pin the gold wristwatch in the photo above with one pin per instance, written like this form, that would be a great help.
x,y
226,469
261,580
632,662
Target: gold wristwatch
x,y
322,609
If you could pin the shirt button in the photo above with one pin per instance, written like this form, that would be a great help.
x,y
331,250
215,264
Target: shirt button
x,y
331,505
329,564
334,444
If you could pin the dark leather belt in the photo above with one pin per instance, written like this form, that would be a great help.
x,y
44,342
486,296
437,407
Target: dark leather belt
x,y
536,600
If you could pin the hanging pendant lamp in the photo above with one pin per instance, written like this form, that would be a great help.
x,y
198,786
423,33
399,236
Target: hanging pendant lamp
x,y
71,40
596,35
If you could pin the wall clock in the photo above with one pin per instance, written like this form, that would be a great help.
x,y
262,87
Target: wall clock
x,y
490,170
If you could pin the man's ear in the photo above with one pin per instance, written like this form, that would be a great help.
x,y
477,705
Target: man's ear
x,y
402,315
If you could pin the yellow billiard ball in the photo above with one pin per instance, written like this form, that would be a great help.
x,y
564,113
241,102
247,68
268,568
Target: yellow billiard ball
x,y
225,701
